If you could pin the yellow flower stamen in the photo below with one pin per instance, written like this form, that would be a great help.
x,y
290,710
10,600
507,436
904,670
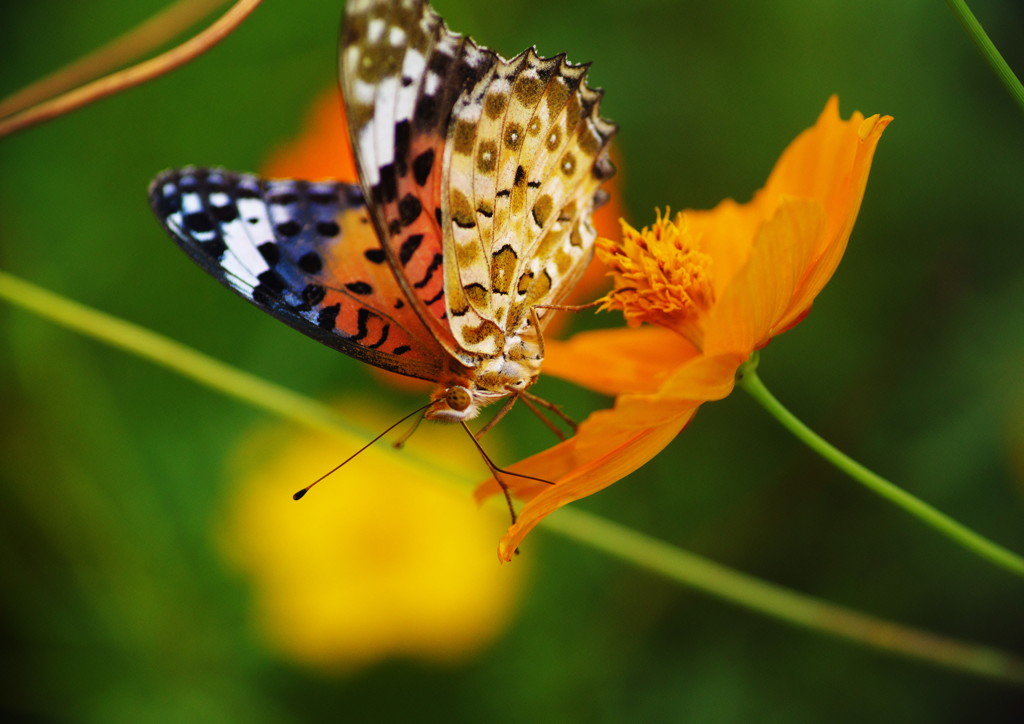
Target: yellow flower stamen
x,y
660,276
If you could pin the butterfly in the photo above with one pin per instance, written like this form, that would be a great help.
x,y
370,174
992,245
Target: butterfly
x,y
478,178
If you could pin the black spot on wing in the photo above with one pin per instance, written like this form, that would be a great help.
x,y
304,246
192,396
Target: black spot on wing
x,y
224,214
435,264
360,288
214,248
422,165
311,262
269,242
362,324
199,221
426,112
327,317
386,189
328,228
436,298
284,198
409,247
402,138
409,209
312,295
270,252
322,197
384,332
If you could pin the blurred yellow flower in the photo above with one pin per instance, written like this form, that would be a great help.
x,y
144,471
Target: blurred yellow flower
x,y
717,285
385,559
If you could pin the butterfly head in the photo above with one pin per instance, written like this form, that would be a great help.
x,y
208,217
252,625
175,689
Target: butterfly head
x,y
453,403
461,398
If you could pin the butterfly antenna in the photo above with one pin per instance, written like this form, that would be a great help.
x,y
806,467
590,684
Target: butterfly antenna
x,y
300,494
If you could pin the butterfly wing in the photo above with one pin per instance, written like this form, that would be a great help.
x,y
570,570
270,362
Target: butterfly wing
x,y
402,72
525,156
306,253
482,171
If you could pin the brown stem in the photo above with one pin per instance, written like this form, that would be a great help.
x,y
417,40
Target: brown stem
x,y
134,75
143,38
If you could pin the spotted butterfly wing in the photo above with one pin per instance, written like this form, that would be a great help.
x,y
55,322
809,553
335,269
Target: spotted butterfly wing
x,y
478,178
486,167
305,252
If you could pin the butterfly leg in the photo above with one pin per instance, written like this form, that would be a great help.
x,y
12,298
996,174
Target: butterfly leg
x,y
494,471
497,417
569,307
498,472
400,441
531,401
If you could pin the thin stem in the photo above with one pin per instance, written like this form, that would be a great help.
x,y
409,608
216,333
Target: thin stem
x,y
964,536
780,603
134,75
143,38
172,355
635,548
988,49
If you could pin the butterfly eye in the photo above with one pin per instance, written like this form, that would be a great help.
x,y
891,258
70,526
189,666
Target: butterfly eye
x,y
458,398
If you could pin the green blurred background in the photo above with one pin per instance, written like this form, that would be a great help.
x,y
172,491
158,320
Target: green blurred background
x,y
116,603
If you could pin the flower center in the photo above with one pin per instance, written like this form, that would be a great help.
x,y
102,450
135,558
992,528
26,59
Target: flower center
x,y
660,276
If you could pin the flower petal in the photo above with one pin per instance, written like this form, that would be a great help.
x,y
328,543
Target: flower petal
x,y
616,361
859,139
766,261
322,150
752,307
828,162
611,444
605,454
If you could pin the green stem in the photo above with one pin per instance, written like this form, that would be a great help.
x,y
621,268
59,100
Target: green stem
x,y
988,49
655,556
175,356
785,605
964,536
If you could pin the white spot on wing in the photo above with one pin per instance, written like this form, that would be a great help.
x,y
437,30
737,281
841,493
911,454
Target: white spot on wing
x,y
431,84
191,203
384,116
366,150
413,67
364,92
375,31
241,237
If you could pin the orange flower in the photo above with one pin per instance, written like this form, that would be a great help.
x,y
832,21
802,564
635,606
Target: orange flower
x,y
718,285
322,150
